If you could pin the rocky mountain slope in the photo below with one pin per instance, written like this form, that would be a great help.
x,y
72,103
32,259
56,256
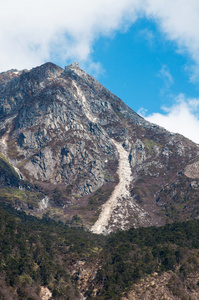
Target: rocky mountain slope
x,y
84,156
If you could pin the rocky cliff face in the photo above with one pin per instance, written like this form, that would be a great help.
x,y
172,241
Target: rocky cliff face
x,y
96,160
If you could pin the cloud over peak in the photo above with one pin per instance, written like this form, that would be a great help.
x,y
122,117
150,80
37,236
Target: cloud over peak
x,y
36,31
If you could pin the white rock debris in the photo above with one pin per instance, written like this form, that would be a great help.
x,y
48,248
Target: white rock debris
x,y
82,297
120,191
4,140
3,149
44,203
18,172
45,293
125,209
84,103
192,171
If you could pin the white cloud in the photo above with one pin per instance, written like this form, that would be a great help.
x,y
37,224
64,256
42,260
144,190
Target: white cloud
x,y
179,21
182,117
35,31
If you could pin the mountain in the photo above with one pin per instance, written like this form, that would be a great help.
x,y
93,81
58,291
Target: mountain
x,y
73,150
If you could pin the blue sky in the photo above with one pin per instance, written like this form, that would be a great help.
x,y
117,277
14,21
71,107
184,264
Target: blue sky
x,y
144,51
143,68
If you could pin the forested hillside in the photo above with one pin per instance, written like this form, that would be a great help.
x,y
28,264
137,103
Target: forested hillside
x,y
73,262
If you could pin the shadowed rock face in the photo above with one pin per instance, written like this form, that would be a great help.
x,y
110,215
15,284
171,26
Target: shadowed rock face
x,y
74,139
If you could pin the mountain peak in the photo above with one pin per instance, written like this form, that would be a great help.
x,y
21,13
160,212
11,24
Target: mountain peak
x,y
87,151
48,69
74,65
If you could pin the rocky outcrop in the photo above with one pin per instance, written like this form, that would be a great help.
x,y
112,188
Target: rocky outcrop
x,y
167,286
45,293
192,171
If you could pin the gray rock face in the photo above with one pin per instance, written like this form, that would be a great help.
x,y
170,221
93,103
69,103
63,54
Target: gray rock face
x,y
62,129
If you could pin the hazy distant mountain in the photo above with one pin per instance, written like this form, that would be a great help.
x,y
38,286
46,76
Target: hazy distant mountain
x,y
84,156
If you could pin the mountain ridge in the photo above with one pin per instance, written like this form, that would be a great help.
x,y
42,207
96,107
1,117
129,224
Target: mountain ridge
x,y
70,137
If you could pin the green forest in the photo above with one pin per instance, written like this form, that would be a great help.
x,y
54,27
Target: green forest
x,y
42,252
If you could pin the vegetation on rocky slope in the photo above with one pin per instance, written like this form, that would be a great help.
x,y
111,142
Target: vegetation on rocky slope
x,y
133,255
8,175
41,252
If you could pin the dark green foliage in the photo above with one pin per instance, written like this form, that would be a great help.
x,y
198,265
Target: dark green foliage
x,y
38,252
35,252
131,255
24,198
